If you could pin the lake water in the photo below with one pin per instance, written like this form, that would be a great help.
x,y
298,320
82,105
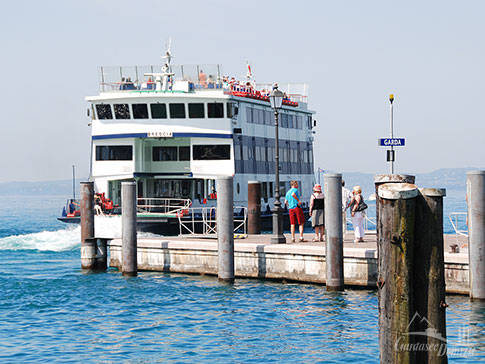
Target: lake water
x,y
52,312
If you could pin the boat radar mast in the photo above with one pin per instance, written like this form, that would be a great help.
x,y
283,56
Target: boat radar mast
x,y
162,79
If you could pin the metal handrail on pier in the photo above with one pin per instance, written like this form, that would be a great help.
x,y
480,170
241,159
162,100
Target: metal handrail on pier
x,y
169,206
203,220
453,217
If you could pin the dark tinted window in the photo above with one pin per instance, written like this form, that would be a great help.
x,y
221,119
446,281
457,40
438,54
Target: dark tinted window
x,y
249,115
140,111
268,118
298,122
159,111
114,153
284,120
104,112
211,152
184,153
177,111
232,109
122,111
215,110
164,154
196,110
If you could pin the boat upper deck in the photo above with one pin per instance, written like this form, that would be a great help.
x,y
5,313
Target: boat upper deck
x,y
191,79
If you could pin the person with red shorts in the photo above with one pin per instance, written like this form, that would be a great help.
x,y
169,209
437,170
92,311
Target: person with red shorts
x,y
292,199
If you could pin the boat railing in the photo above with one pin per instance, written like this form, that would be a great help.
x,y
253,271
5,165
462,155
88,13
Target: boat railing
x,y
148,205
203,220
458,220
296,92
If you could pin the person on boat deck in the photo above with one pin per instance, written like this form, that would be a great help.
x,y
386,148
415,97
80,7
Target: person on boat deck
x,y
98,205
317,212
203,79
292,199
357,216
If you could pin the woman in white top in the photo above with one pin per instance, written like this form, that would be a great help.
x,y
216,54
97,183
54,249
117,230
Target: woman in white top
x,y
317,212
357,216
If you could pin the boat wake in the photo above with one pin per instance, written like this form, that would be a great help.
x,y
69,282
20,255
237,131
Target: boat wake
x,y
65,239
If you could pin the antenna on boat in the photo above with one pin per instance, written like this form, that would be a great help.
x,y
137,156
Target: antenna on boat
x,y
249,74
73,182
162,79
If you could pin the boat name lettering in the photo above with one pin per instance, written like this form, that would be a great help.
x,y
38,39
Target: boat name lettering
x,y
160,134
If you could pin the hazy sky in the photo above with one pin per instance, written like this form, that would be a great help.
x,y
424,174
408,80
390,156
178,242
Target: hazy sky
x,y
353,54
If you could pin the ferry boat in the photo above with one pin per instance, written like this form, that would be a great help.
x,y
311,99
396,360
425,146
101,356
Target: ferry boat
x,y
174,131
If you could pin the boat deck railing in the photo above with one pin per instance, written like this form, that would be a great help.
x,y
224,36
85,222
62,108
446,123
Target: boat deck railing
x,y
203,220
168,206
459,223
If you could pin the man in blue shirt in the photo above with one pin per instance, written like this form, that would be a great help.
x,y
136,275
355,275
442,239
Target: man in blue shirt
x,y
292,199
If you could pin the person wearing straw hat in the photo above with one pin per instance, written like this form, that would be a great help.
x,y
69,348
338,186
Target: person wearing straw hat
x,y
317,212
356,211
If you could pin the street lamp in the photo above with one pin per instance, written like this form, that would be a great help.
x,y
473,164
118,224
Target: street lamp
x,y
276,100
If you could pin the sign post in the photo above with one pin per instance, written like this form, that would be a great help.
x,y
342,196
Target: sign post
x,y
391,142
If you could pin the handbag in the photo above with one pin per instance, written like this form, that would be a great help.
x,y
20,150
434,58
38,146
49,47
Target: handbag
x,y
362,205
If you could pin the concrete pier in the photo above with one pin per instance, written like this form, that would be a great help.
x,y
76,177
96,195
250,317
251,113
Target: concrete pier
x,y
128,228
256,257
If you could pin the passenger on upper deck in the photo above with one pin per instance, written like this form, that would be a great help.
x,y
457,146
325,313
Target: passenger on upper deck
x,y
210,82
203,79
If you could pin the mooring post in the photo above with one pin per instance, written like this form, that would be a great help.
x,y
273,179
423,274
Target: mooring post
x,y
334,251
101,254
475,192
395,240
128,229
429,277
88,248
254,207
225,228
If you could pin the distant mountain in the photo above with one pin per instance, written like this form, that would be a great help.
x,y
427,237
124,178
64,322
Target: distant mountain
x,y
50,188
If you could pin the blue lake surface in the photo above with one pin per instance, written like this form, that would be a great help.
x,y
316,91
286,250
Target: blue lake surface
x,y
52,312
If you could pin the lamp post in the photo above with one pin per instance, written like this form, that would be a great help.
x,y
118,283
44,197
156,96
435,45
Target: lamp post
x,y
276,100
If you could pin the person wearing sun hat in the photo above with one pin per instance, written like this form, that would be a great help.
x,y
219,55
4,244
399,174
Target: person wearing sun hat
x,y
317,212
357,214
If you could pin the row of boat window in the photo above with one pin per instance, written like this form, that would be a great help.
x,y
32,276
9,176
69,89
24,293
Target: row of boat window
x,y
163,154
197,111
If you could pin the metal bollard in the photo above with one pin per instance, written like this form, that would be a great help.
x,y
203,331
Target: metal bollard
x,y
429,277
334,251
254,207
395,240
225,228
128,229
87,225
475,191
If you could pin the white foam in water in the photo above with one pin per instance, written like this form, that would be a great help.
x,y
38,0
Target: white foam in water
x,y
59,240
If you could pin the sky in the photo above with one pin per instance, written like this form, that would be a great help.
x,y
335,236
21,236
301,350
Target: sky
x,y
352,54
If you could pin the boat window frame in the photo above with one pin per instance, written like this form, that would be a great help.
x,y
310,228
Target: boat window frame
x,y
196,110
106,107
163,110
173,114
135,108
122,114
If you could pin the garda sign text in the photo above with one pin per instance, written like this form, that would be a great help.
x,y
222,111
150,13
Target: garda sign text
x,y
392,142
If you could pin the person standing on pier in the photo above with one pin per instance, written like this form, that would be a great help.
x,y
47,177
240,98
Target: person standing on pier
x,y
292,199
346,196
357,206
317,212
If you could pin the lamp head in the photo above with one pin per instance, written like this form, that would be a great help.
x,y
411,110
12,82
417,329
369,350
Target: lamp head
x,y
276,98
391,98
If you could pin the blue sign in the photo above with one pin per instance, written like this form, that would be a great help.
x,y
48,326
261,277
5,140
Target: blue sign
x,y
392,142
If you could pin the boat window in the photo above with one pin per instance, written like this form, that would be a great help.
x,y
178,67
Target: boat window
x,y
114,152
290,121
163,154
184,153
249,114
261,116
122,111
140,111
177,111
196,110
298,122
309,121
271,190
104,112
215,110
211,152
268,117
284,120
232,110
159,111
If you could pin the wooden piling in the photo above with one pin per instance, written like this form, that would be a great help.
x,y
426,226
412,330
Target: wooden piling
x,y
88,249
429,278
254,207
395,240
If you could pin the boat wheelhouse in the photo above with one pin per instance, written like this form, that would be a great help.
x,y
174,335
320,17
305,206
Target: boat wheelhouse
x,y
175,131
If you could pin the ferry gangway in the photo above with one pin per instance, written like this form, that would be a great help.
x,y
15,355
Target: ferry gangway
x,y
455,220
198,221
167,206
